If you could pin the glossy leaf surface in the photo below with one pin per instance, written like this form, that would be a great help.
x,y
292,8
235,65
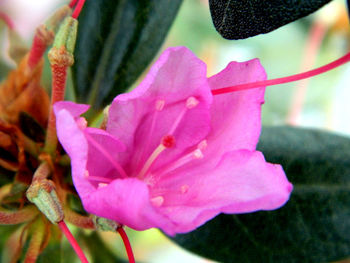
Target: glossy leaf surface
x,y
236,19
313,226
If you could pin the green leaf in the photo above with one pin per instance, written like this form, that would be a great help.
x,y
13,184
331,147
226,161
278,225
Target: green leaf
x,y
116,42
237,19
314,226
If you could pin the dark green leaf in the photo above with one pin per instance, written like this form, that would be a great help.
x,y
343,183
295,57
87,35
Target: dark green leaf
x,y
116,42
237,19
313,226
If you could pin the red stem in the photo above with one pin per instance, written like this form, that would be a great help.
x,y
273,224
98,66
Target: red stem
x,y
270,82
126,244
72,241
78,8
8,21
72,3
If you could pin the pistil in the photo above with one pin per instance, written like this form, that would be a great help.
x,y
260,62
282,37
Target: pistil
x,y
292,78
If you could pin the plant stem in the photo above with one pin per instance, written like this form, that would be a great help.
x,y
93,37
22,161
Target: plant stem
x,y
126,244
344,59
62,225
26,214
35,243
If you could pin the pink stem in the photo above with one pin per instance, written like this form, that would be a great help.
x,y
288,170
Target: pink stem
x,y
78,8
72,3
300,76
8,21
72,241
313,43
126,244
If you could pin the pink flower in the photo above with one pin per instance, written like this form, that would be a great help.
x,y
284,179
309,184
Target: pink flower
x,y
173,156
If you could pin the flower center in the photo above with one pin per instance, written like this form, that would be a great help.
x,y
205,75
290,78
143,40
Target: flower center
x,y
167,141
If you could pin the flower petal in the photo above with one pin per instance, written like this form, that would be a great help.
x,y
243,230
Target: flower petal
x,y
157,107
127,202
91,150
242,182
236,116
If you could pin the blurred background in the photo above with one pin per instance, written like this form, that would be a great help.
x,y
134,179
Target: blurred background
x,y
321,102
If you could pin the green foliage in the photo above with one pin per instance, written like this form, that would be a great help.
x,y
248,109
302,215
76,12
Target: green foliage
x,y
116,42
313,226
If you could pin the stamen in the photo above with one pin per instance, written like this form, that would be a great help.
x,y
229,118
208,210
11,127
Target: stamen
x,y
177,121
191,102
150,160
101,185
160,105
106,154
296,77
82,123
184,188
157,201
202,145
196,154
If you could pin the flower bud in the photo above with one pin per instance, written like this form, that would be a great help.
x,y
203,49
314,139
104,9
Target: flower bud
x,y
43,194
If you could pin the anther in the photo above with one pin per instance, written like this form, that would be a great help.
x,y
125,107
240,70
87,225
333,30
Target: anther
x,y
197,154
168,141
82,123
101,185
160,105
184,188
202,145
157,201
191,102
